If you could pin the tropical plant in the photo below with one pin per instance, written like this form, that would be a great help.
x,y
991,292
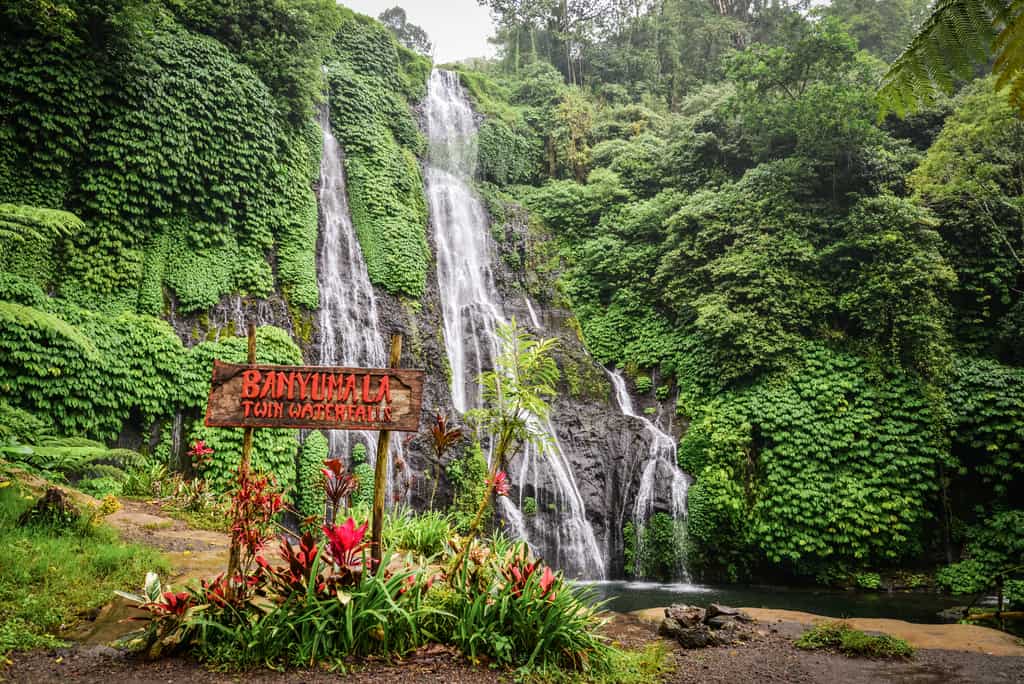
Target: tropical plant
x,y
442,439
958,36
21,223
338,486
529,618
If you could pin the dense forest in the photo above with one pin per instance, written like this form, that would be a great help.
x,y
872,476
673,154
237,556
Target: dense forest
x,y
831,295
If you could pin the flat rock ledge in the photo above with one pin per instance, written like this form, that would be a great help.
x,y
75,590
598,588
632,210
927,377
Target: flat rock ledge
x,y
696,627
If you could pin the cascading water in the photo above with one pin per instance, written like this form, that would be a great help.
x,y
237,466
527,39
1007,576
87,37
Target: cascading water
x,y
349,329
660,457
471,315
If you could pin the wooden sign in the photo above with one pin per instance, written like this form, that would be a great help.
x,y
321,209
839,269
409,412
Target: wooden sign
x,y
314,397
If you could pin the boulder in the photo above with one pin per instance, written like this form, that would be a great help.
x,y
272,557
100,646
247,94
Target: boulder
x,y
686,616
696,636
716,609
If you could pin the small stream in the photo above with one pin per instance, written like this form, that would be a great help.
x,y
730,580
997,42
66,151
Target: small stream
x,y
920,607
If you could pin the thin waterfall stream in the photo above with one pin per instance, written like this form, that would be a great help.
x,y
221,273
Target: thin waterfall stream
x,y
350,332
661,457
472,313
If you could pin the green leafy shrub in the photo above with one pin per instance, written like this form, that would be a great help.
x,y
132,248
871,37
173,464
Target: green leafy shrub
x,y
530,619
468,477
371,118
529,506
423,533
868,580
309,481
661,548
363,496
848,641
643,384
36,602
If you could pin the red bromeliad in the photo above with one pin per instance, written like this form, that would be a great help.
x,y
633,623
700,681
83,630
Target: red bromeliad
x,y
499,483
346,543
519,572
201,455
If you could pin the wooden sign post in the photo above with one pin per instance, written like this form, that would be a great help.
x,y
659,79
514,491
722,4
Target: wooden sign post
x,y
380,470
318,398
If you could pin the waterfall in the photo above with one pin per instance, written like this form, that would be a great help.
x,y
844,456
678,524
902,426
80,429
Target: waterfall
x,y
349,331
533,314
660,457
471,313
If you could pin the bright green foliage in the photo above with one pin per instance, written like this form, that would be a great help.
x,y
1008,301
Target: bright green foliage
x,y
363,496
848,641
986,400
516,393
660,550
468,477
283,41
187,195
55,356
371,118
423,533
73,457
995,548
37,603
310,481
629,549
529,506
971,179
809,467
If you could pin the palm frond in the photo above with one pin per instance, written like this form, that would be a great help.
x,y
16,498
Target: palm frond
x,y
957,36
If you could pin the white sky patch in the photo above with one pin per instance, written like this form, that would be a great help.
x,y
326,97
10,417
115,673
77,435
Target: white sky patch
x,y
458,28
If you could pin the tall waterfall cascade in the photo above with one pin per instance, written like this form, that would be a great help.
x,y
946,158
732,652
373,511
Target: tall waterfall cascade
x,y
350,333
472,312
660,468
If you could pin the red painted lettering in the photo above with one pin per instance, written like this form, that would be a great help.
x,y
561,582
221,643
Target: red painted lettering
x,y
251,384
303,379
384,391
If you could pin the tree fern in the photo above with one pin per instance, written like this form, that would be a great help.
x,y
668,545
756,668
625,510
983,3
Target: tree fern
x,y
957,36
74,456
19,223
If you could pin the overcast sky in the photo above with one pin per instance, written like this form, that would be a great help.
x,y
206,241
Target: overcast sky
x,y
459,28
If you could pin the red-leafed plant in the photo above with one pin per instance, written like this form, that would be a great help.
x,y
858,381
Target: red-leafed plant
x,y
201,455
499,483
254,504
442,439
346,544
338,485
301,563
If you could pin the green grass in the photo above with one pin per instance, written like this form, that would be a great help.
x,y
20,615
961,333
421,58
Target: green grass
x,y
49,577
839,636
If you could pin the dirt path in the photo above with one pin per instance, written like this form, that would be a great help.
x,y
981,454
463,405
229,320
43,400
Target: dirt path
x,y
194,554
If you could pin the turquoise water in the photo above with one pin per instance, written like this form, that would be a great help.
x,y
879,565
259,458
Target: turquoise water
x,y
912,607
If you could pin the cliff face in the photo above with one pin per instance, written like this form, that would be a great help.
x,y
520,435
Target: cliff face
x,y
606,449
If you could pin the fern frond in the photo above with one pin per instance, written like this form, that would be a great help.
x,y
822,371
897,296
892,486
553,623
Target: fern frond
x,y
957,35
1009,46
53,327
20,222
